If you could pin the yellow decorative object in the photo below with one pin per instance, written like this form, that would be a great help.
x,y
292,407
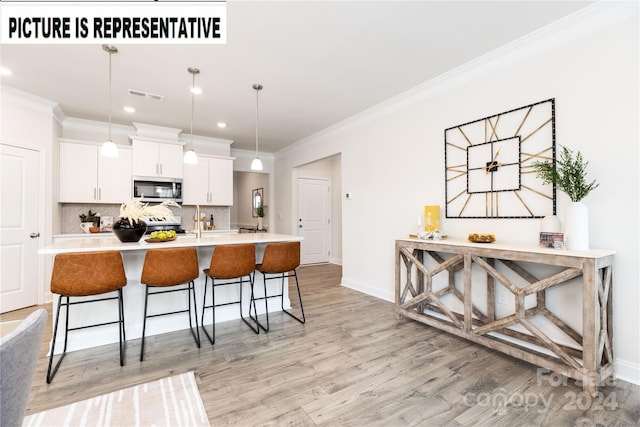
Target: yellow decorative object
x,y
431,218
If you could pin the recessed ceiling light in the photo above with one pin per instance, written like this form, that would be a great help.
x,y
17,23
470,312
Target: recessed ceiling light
x,y
5,71
196,90
129,109
222,125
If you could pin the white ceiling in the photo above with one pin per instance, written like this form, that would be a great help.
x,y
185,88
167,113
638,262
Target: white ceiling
x,y
319,62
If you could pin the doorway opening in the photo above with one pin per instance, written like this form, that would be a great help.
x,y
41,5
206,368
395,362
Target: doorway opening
x,y
318,210
243,212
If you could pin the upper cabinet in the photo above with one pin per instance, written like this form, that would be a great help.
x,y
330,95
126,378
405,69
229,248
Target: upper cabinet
x,y
210,182
157,159
88,177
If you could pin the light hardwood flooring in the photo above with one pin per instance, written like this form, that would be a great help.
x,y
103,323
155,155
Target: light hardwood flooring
x,y
352,364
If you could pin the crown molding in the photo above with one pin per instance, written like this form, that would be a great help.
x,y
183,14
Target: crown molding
x,y
91,130
250,154
157,132
586,21
31,102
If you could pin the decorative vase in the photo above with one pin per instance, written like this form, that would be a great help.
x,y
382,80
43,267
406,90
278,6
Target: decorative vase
x,y
259,223
576,227
127,232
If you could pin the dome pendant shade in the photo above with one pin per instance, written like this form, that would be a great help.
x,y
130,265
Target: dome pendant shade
x,y
256,164
109,149
191,158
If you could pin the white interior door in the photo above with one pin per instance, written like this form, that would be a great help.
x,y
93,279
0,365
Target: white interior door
x,y
314,222
19,234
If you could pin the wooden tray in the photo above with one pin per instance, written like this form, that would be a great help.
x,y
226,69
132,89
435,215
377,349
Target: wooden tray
x,y
159,240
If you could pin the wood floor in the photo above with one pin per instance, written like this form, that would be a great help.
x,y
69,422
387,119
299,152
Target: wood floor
x,y
352,364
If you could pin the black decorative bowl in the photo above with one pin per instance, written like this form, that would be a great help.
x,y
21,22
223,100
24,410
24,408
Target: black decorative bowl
x,y
127,232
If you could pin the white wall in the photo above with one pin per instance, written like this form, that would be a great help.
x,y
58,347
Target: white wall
x,y
393,154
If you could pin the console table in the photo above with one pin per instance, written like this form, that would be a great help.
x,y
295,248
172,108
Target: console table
x,y
453,285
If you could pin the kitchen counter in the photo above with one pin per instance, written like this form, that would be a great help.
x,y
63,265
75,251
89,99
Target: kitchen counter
x,y
133,258
111,243
110,234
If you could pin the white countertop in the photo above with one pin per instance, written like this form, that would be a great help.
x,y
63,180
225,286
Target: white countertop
x,y
111,243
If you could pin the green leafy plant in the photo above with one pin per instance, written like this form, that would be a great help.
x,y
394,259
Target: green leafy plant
x,y
569,174
89,217
260,211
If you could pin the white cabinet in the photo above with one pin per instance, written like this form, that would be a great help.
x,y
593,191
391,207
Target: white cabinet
x,y
157,159
210,182
88,177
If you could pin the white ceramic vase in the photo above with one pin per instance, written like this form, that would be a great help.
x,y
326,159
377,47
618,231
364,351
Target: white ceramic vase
x,y
259,223
576,227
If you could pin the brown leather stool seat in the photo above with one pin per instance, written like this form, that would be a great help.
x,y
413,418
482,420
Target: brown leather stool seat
x,y
170,267
83,275
280,261
229,262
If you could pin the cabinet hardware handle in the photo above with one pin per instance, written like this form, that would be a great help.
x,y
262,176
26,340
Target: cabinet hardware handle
x,y
160,169
99,193
34,235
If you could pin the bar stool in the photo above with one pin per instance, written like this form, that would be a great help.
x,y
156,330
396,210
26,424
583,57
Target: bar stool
x,y
82,275
170,267
229,262
280,261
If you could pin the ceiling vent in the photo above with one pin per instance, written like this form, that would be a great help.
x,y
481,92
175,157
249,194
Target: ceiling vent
x,y
149,95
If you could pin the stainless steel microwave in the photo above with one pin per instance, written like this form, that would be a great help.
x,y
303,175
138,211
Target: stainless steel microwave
x,y
157,189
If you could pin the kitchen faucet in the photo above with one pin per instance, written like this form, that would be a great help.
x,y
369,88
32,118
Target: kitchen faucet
x,y
198,220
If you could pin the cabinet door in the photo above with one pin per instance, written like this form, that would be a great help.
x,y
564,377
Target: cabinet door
x,y
171,161
114,177
145,158
78,173
221,182
195,183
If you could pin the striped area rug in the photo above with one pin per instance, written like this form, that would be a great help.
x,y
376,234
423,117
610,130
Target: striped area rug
x,y
172,401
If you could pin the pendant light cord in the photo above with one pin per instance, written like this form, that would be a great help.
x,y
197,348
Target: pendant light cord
x,y
110,55
193,85
257,117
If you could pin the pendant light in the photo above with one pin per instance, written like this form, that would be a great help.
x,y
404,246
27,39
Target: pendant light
x,y
256,164
190,157
108,148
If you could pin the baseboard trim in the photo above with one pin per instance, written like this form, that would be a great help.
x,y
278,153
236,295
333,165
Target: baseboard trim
x,y
628,371
361,287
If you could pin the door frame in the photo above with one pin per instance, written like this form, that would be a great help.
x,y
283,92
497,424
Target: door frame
x,y
44,263
296,214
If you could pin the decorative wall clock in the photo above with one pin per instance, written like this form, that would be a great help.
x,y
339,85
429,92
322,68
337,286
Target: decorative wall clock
x,y
488,164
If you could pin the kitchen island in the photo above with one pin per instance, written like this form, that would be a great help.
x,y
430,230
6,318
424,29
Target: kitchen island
x,y
133,258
